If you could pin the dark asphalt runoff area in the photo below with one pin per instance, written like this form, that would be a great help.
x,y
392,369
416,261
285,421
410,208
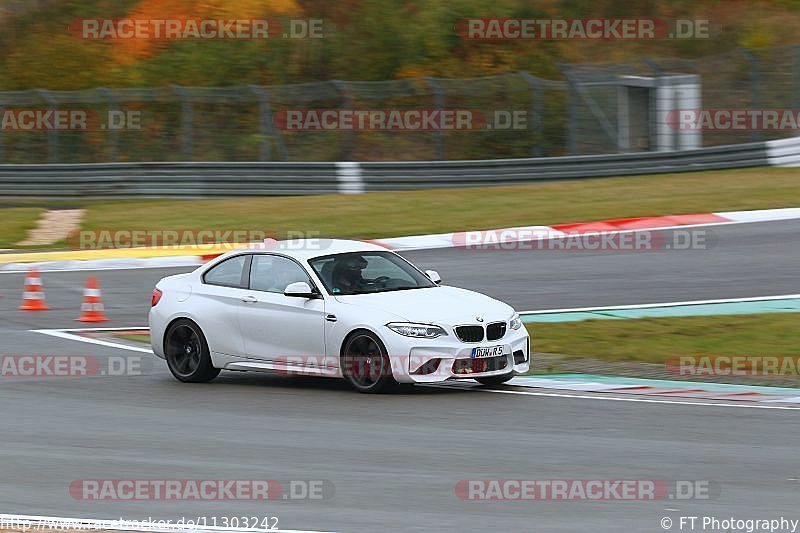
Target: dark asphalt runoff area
x,y
393,461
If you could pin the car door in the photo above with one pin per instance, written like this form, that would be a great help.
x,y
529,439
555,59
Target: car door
x,y
274,326
216,304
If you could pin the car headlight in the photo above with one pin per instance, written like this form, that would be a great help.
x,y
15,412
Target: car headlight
x,y
515,322
422,331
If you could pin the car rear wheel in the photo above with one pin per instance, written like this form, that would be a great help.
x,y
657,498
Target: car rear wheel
x,y
366,365
187,354
495,380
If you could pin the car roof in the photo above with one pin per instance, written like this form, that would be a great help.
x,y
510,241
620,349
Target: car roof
x,y
305,249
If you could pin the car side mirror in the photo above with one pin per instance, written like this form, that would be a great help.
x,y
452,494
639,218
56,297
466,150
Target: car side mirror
x,y
433,276
300,289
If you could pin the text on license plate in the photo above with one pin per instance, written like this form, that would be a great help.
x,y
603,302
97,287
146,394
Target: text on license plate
x,y
488,351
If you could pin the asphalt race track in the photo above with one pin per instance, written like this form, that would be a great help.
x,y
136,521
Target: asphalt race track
x,y
739,261
394,461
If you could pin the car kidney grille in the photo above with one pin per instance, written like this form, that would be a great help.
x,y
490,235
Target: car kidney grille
x,y
495,330
470,333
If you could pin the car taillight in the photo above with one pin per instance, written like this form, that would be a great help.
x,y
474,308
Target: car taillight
x,y
156,297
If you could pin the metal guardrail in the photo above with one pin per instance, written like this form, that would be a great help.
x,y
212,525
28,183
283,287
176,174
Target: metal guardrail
x,y
784,152
412,175
156,180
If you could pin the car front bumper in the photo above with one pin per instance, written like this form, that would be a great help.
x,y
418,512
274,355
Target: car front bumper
x,y
447,358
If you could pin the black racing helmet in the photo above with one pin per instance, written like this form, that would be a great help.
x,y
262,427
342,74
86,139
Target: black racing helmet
x,y
350,267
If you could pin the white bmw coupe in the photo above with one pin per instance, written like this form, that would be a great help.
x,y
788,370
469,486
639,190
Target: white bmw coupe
x,y
332,308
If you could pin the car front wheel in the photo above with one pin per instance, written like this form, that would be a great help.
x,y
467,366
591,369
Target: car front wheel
x,y
366,365
187,354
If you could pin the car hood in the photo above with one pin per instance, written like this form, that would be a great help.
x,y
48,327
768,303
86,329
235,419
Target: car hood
x,y
442,305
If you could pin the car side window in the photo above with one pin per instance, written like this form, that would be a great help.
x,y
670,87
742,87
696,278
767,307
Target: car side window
x,y
228,273
272,273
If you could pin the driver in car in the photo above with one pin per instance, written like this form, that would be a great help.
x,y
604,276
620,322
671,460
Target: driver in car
x,y
347,276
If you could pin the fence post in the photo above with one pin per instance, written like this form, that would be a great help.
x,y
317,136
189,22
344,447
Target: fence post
x,y
112,132
52,134
755,88
796,77
2,137
535,124
572,111
348,149
186,122
264,121
572,138
438,103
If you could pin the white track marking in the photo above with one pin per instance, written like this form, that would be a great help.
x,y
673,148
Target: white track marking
x,y
795,399
663,304
66,334
606,397
762,215
28,522
89,330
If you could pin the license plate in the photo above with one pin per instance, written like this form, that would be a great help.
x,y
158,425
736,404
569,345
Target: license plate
x,y
487,351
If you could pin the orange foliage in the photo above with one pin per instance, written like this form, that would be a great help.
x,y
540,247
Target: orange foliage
x,y
127,51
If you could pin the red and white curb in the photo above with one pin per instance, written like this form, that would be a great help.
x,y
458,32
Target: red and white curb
x,y
459,239
696,390
607,227
56,523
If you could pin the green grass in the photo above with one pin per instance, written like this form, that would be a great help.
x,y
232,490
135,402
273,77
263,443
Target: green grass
x,y
16,222
135,337
388,214
654,340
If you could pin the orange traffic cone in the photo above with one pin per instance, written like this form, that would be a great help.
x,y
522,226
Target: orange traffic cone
x,y
33,297
92,307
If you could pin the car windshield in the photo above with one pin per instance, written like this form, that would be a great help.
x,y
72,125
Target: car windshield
x,y
368,272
